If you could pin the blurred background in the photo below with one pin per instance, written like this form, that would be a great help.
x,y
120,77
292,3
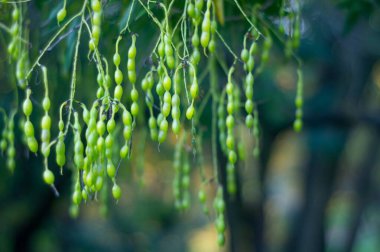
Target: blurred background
x,y
318,190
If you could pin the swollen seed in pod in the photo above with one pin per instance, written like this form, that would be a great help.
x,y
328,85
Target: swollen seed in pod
x,y
116,191
166,109
199,4
250,64
175,100
116,59
230,142
60,154
132,52
131,66
109,153
161,136
196,56
61,15
118,92
297,125
161,49
111,124
100,144
45,149
205,39
89,179
249,91
97,18
249,121
249,106
176,112
127,132
134,109
244,55
144,84
15,14
195,39
230,107
232,157
118,77
99,183
95,32
46,122
190,10
167,83
84,194
96,5
99,79
160,117
77,197
100,92
211,46
194,90
108,80
32,144
28,129
220,225
109,142
27,107
45,135
152,122
229,88
299,101
164,125
101,127
124,151
61,125
134,95
221,239
132,76
48,177
127,118
167,97
249,79
230,121
91,44
170,61
176,126
160,89
111,170
46,104
190,112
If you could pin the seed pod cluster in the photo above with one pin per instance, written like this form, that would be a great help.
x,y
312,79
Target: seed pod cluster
x,y
219,207
230,139
118,92
46,120
14,45
181,182
299,102
96,7
28,126
147,85
132,76
11,150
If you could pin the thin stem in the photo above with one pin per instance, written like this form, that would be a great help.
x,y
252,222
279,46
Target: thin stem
x,y
74,74
129,17
246,17
42,53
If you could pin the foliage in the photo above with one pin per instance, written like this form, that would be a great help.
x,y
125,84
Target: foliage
x,y
109,68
